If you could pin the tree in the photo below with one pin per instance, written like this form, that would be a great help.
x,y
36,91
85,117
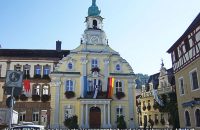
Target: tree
x,y
72,122
121,124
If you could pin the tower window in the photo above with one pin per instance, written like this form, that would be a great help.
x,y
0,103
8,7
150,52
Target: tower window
x,y
94,24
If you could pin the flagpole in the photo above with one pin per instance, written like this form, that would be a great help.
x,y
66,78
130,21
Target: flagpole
x,y
11,108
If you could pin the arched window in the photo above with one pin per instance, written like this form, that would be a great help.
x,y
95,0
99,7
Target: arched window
x,y
94,24
118,86
45,90
197,116
187,119
36,89
69,85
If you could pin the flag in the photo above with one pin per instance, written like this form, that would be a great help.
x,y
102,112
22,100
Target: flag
x,y
27,85
85,85
110,86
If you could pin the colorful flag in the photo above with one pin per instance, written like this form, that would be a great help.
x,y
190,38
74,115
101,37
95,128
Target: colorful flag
x,y
27,85
110,86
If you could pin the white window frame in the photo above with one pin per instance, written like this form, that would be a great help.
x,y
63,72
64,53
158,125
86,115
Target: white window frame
x,y
23,115
191,80
36,117
67,111
120,112
94,63
43,117
45,89
71,85
118,87
181,87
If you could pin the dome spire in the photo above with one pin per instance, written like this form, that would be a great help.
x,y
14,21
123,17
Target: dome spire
x,y
93,10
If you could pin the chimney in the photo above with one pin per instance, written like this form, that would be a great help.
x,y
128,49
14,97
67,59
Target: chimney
x,y
58,45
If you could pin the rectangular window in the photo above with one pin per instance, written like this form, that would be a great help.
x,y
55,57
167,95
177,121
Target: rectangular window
x,y
46,70
17,67
43,115
118,86
194,79
68,112
187,44
26,71
181,86
94,63
119,111
176,54
37,70
22,116
35,116
69,85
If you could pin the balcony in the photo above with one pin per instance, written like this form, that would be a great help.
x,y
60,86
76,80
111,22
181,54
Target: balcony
x,y
147,94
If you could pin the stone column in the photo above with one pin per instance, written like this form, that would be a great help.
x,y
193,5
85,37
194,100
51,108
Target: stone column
x,y
109,124
104,116
106,73
82,116
131,99
86,117
57,104
84,73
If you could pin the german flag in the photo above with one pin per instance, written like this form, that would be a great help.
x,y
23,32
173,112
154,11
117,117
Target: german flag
x,y
110,87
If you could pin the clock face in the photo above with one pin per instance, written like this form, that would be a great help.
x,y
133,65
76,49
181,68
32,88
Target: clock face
x,y
14,77
94,39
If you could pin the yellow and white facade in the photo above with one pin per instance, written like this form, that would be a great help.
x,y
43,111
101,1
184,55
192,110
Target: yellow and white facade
x,y
86,72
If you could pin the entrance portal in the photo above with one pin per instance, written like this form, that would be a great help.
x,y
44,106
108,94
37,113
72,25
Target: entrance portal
x,y
95,117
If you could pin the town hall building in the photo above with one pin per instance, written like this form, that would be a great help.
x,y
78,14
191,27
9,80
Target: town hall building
x,y
93,83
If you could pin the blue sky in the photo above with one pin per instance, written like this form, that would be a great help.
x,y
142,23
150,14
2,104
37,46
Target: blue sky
x,y
140,30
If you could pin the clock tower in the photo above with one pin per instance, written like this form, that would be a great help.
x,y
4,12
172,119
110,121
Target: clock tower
x,y
94,33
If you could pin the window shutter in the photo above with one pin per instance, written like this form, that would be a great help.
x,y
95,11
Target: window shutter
x,y
123,86
72,110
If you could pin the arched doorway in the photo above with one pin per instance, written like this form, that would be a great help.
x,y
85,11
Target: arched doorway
x,y
95,117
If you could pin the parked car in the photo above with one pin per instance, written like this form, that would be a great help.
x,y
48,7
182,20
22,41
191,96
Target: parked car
x,y
28,127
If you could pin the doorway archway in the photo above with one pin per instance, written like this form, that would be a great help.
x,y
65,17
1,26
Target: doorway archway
x,y
95,117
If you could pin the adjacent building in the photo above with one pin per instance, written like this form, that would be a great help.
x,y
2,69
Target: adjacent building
x,y
156,96
185,54
93,82
33,104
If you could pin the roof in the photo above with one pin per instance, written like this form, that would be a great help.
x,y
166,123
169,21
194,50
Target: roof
x,y
192,26
30,53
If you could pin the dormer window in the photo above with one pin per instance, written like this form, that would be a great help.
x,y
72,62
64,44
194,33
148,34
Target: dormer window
x,y
118,67
94,63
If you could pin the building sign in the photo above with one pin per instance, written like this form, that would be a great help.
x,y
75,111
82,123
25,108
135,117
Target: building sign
x,y
13,79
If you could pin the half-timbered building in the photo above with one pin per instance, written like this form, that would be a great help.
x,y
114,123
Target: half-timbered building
x,y
185,55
